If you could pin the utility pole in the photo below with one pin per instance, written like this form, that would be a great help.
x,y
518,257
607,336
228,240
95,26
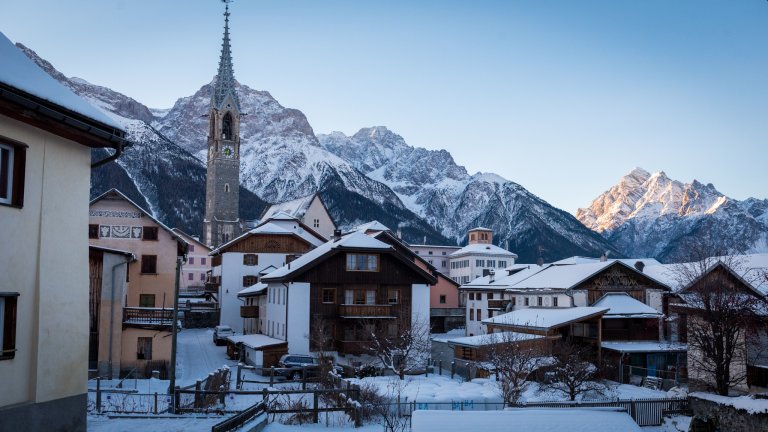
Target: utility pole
x,y
175,329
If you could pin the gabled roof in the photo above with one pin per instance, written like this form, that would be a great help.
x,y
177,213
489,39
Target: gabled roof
x,y
296,208
25,84
350,242
269,227
545,318
255,289
506,278
571,276
492,339
189,239
370,226
482,249
622,305
121,195
720,264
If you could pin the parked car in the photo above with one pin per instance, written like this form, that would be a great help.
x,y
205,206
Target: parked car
x,y
220,334
306,362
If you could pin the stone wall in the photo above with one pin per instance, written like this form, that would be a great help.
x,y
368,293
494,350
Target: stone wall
x,y
729,418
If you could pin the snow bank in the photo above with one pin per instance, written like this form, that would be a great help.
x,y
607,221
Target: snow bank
x,y
746,403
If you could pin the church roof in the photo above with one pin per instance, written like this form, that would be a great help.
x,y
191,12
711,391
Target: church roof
x,y
225,77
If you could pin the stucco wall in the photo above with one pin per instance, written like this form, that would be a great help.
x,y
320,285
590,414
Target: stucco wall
x,y
48,266
113,289
298,318
317,211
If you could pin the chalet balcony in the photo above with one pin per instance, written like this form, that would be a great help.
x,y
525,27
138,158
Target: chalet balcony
x,y
352,347
249,311
498,304
365,311
145,317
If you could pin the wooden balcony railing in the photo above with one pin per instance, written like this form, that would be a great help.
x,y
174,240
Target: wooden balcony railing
x,y
249,311
497,304
147,317
365,311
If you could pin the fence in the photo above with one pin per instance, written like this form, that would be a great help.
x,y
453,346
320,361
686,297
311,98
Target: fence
x,y
127,402
241,418
645,412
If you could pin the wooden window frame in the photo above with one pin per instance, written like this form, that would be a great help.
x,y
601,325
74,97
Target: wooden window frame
x,y
142,354
143,297
356,262
323,297
148,261
249,278
396,296
471,314
8,312
14,182
150,233
251,259
443,299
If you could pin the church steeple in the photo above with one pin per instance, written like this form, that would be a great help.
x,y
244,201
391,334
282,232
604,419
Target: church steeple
x,y
225,78
222,187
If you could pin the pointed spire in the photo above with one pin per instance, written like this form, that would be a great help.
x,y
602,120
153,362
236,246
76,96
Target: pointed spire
x,y
225,78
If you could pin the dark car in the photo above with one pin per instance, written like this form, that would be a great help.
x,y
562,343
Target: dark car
x,y
295,365
220,334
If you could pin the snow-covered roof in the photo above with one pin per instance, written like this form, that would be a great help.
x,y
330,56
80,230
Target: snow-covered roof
x,y
357,240
281,223
480,229
189,239
525,420
482,249
20,72
297,207
651,346
112,251
570,275
503,279
370,226
545,318
622,305
491,339
255,341
254,289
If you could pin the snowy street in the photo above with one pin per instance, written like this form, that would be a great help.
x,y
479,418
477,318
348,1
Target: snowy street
x,y
198,356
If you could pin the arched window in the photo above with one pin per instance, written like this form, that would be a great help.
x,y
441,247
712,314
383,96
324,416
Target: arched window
x,y
226,127
226,187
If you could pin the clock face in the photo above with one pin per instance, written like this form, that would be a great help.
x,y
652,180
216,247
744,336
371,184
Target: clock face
x,y
228,151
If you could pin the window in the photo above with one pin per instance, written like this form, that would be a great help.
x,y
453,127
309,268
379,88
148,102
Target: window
x,y
12,163
442,299
394,296
144,348
429,253
514,301
527,302
479,296
316,223
250,259
540,301
443,264
554,301
479,314
7,325
362,262
249,280
191,260
149,264
471,296
192,248
502,264
147,300
191,277
490,263
202,276
329,295
150,233
490,296
291,258
93,231
471,314
490,313
430,261
392,330
203,261
360,297
444,253
479,263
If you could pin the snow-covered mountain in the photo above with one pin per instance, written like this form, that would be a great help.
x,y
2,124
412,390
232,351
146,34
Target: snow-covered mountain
x,y
652,215
373,175
430,183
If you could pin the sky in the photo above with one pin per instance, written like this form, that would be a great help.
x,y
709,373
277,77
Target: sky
x,y
562,97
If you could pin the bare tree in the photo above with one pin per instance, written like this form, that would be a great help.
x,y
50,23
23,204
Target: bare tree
x,y
572,374
514,357
722,316
402,345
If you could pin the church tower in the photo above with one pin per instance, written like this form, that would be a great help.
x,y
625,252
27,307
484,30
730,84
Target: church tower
x,y
222,187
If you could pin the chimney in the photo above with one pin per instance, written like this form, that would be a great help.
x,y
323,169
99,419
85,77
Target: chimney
x,y
336,235
540,261
639,265
491,276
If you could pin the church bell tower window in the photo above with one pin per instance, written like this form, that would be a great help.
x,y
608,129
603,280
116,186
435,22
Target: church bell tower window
x,y
226,129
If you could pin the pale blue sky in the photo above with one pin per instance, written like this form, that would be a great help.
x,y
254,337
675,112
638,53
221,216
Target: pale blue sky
x,y
563,97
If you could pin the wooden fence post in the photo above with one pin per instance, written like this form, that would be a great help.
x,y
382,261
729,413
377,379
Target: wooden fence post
x,y
98,395
440,367
271,376
238,383
176,399
314,407
198,402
